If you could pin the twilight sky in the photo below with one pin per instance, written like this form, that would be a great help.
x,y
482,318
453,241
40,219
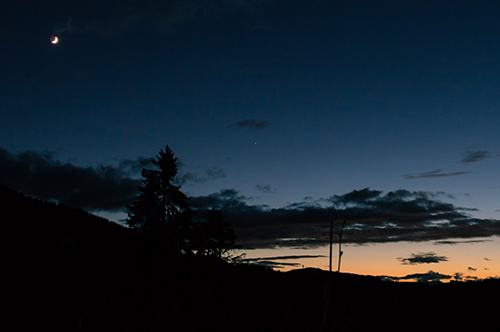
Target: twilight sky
x,y
285,114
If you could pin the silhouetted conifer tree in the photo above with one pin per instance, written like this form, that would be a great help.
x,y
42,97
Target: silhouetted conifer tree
x,y
161,209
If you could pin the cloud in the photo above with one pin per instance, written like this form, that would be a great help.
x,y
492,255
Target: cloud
x,y
429,277
254,124
209,173
276,261
422,258
371,216
434,174
474,156
275,265
68,27
129,166
356,196
265,188
454,242
215,172
283,258
471,269
102,188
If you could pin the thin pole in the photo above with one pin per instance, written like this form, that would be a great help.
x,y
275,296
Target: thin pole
x,y
326,299
340,246
337,298
331,245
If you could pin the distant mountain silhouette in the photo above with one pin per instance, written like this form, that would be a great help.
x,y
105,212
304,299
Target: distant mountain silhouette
x,y
65,269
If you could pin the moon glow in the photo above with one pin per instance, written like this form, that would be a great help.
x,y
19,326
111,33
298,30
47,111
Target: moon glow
x,y
54,40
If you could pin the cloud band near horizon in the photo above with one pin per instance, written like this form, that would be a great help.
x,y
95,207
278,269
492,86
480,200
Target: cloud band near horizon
x,y
372,217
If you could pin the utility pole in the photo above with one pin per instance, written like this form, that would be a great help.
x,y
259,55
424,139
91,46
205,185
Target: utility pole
x,y
340,246
331,246
326,299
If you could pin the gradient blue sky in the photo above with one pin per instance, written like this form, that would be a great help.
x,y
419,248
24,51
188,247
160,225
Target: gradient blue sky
x,y
268,104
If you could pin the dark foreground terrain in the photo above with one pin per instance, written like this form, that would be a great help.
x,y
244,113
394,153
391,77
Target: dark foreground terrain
x,y
63,269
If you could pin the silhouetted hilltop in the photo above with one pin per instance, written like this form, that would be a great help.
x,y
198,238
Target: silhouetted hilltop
x,y
68,270
31,216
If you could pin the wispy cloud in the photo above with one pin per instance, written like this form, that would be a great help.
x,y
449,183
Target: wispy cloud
x,y
134,166
265,188
283,257
454,242
434,174
208,173
422,258
474,156
255,124
274,264
68,27
277,261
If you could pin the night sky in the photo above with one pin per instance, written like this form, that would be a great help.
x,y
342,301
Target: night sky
x,y
284,114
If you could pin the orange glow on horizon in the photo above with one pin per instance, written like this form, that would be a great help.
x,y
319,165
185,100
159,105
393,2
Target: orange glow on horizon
x,y
473,259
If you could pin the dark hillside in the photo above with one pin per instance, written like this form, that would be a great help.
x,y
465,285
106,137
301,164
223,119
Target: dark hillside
x,y
67,270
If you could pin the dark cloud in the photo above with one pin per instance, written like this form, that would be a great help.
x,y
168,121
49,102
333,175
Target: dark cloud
x,y
429,277
277,261
215,172
255,124
474,156
487,259
102,188
265,188
422,258
454,242
471,269
434,174
282,257
471,278
188,177
227,199
205,174
275,265
130,166
209,173
371,217
356,196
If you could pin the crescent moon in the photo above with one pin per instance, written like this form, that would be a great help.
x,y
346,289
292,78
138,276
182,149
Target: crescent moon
x,y
54,40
